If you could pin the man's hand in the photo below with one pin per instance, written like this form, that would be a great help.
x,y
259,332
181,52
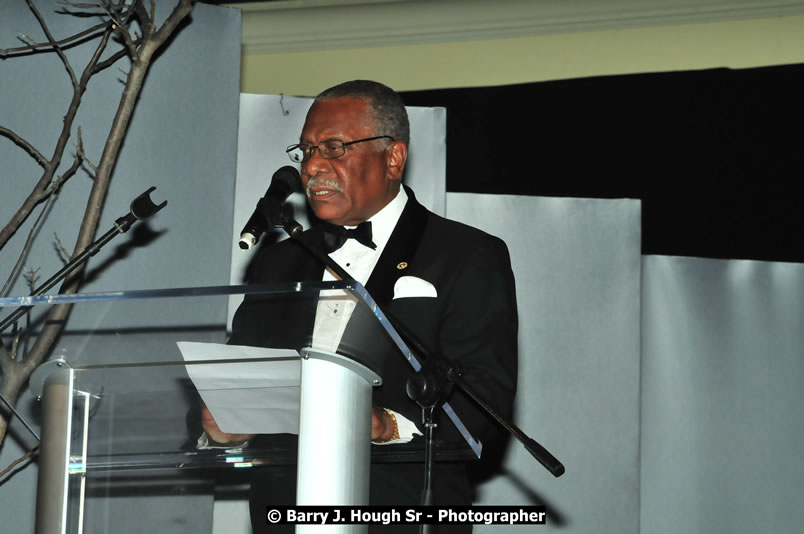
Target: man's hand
x,y
215,433
382,425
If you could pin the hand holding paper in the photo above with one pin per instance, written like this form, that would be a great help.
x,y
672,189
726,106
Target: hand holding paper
x,y
215,433
251,390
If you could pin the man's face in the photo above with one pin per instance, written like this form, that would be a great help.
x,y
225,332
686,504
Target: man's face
x,y
350,189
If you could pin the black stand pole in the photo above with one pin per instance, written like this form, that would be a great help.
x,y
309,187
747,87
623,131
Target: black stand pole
x,y
428,419
141,208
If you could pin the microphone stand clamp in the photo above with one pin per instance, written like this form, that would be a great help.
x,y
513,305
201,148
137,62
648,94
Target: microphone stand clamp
x,y
430,387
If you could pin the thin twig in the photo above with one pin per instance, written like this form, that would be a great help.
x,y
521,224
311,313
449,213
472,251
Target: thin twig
x,y
111,60
31,276
64,254
59,181
90,69
78,5
26,247
50,39
118,16
19,460
81,153
25,39
122,29
25,145
15,343
67,40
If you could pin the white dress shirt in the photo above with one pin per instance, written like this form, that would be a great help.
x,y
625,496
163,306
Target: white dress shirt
x,y
335,308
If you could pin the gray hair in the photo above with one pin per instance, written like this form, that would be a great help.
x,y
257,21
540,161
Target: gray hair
x,y
385,105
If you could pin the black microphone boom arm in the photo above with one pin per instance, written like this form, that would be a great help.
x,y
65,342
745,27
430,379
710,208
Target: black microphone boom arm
x,y
141,208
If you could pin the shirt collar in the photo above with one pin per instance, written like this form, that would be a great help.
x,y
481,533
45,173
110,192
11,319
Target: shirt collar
x,y
384,221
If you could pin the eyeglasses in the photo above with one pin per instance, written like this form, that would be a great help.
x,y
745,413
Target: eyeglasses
x,y
329,149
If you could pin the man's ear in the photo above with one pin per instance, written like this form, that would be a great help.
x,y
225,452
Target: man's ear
x,y
396,155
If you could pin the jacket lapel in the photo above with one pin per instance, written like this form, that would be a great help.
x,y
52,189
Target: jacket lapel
x,y
400,251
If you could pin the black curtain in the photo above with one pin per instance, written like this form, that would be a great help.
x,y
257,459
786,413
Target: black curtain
x,y
714,155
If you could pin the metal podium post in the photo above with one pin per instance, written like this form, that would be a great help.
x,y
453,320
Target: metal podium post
x,y
54,456
334,434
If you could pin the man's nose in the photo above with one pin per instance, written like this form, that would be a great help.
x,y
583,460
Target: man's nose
x,y
315,164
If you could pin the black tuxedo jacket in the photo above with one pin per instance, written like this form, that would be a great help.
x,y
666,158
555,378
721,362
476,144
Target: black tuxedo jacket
x,y
472,321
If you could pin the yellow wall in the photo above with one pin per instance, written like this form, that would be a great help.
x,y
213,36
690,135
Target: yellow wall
x,y
737,44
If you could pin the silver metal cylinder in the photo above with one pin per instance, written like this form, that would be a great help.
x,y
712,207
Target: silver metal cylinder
x,y
334,435
52,490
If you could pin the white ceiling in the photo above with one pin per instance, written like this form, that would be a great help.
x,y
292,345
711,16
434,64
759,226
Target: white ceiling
x,y
285,25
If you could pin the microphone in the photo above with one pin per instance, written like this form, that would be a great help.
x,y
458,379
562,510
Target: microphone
x,y
267,213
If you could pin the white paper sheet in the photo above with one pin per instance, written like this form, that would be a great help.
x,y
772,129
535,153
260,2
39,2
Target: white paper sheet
x,y
248,390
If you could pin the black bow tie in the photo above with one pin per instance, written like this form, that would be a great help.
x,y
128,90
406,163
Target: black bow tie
x,y
335,236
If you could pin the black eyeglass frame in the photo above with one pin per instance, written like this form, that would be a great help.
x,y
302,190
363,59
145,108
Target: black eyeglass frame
x,y
307,153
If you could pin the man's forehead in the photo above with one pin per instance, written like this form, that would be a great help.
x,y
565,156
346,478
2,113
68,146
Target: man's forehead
x,y
336,118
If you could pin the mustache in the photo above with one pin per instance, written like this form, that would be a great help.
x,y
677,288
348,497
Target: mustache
x,y
321,182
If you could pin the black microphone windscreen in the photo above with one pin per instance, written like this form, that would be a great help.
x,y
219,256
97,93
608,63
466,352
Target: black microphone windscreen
x,y
286,180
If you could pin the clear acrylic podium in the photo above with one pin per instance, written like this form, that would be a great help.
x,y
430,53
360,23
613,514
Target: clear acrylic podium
x,y
120,416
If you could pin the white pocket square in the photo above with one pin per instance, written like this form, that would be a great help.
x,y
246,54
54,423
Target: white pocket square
x,y
413,286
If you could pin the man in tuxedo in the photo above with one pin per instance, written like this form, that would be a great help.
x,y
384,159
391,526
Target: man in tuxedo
x,y
447,283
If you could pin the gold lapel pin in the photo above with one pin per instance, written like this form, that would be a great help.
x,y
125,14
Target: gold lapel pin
x,y
402,265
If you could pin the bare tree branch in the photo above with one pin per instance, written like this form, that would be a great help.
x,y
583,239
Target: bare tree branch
x,y
25,39
16,371
81,154
56,48
25,145
26,247
120,17
147,19
42,188
111,60
183,9
54,186
6,359
31,278
64,254
16,334
18,461
80,5
122,31
61,43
